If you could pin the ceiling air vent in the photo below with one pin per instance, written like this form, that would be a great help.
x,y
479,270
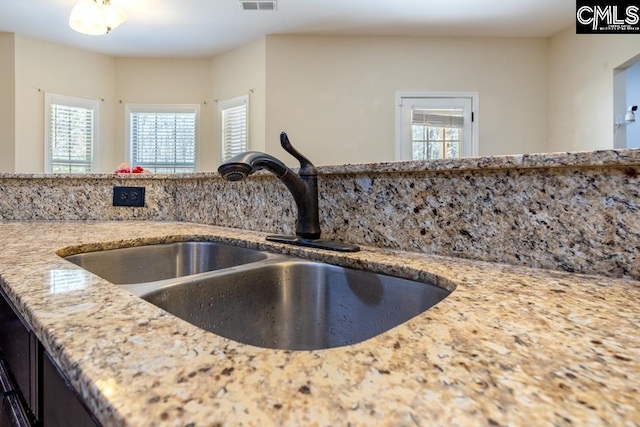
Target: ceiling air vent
x,y
258,5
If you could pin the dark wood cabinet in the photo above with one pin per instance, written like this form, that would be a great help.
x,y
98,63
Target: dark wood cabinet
x,y
60,405
18,363
13,410
34,391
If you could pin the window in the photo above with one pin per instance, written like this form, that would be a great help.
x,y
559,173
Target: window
x,y
436,133
162,138
235,126
436,126
71,126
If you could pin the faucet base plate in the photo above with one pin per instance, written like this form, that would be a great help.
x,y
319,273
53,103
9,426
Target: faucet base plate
x,y
314,243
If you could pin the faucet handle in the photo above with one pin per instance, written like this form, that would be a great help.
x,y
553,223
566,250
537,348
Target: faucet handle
x,y
306,167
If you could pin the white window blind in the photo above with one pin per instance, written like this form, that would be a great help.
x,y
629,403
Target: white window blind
x,y
70,132
235,127
162,139
451,118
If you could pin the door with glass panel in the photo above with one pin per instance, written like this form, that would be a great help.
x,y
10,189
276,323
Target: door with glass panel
x,y
436,128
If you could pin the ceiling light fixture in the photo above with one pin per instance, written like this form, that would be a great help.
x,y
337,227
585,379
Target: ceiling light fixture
x,y
95,17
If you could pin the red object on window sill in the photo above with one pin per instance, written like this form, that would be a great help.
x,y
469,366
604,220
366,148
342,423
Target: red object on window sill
x,y
126,168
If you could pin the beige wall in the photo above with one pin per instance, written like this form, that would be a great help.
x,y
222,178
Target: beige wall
x,y
166,81
335,96
581,76
7,102
45,67
240,72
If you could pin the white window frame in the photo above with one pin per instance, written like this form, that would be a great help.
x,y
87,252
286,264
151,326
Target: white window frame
x,y
232,103
160,108
72,101
401,123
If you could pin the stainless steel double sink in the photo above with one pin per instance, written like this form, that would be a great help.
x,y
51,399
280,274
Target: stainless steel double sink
x,y
263,299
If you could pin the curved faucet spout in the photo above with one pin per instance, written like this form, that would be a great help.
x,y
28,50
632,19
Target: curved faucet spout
x,y
244,164
303,187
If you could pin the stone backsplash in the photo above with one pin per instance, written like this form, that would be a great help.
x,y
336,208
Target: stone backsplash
x,y
576,212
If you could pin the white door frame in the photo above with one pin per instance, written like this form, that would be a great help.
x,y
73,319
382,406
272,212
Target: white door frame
x,y
407,95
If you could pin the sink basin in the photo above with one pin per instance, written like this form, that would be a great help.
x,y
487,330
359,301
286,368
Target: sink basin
x,y
164,261
263,299
295,304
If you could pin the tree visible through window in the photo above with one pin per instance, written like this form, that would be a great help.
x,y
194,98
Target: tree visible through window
x,y
162,139
70,134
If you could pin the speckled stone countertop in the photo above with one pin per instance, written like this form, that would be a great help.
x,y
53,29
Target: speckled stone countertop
x,y
619,157
510,346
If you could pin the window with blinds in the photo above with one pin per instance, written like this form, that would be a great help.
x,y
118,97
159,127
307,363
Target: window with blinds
x,y
162,138
235,126
436,133
70,133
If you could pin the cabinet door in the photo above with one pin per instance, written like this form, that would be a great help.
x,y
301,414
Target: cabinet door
x,y
12,411
60,405
15,347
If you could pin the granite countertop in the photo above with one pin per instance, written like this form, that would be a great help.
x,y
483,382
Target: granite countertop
x,y
510,346
617,157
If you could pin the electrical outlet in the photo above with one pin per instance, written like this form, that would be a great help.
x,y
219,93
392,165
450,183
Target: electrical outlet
x,y
128,196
